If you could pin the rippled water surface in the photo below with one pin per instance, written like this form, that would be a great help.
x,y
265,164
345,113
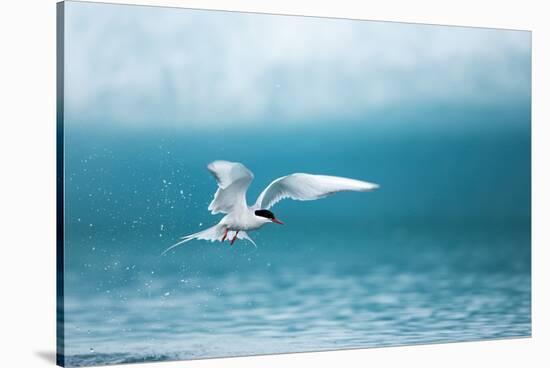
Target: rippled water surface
x,y
208,300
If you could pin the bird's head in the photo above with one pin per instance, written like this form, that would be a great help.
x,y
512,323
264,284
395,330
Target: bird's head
x,y
268,216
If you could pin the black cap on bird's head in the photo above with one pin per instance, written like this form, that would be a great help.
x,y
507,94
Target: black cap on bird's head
x,y
268,215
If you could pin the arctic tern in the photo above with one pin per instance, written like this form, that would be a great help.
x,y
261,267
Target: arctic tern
x,y
233,180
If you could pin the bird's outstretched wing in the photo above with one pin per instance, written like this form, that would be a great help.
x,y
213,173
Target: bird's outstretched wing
x,y
233,181
307,187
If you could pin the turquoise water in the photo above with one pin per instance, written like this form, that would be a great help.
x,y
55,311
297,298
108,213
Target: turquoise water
x,y
440,253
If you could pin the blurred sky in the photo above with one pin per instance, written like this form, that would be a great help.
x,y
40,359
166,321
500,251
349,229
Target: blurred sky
x,y
151,66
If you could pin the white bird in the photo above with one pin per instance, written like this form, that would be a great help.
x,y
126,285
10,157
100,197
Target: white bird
x,y
233,180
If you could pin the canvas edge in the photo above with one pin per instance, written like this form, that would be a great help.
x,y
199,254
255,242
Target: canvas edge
x,y
60,238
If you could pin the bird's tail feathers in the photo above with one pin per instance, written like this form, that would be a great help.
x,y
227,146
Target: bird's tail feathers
x,y
212,234
244,235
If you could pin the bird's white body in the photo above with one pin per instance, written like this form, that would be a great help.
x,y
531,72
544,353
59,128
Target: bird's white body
x,y
233,180
244,220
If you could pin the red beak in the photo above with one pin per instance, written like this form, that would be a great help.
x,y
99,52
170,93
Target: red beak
x,y
277,221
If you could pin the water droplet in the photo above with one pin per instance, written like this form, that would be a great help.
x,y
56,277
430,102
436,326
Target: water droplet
x,y
167,293
92,350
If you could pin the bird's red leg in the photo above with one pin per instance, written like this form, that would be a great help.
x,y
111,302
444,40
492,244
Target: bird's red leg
x,y
224,235
235,237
